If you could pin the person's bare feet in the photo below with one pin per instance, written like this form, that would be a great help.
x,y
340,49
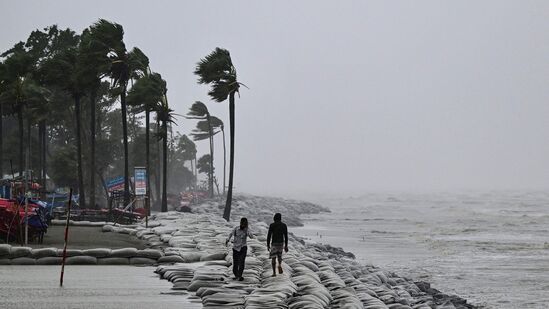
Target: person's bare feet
x,y
280,271
273,275
240,279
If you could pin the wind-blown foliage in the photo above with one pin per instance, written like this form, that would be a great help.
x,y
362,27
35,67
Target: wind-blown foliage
x,y
217,70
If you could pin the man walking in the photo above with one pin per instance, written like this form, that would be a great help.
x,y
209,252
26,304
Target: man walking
x,y
278,233
240,234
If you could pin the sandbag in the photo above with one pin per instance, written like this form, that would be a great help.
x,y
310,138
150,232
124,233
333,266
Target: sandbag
x,y
20,252
23,261
50,260
70,252
213,256
81,260
171,259
113,261
5,261
5,250
124,252
44,252
98,252
149,253
142,261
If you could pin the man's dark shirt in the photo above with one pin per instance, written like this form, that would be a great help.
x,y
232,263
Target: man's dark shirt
x,y
278,231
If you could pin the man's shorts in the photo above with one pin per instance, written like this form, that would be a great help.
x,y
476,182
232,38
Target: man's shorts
x,y
276,251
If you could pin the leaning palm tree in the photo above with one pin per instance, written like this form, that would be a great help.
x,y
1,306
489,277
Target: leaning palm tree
x,y
204,130
147,94
94,57
217,70
166,116
125,65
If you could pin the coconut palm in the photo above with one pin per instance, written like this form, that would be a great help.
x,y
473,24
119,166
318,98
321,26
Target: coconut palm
x,y
166,116
93,55
147,94
17,65
188,151
204,130
217,70
124,66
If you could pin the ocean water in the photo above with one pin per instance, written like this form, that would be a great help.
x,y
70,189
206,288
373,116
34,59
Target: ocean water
x,y
491,248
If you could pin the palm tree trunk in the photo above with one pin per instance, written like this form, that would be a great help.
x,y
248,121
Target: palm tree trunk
x,y
159,168
41,158
224,159
21,140
125,136
1,141
44,159
147,160
227,212
93,98
210,174
164,207
81,189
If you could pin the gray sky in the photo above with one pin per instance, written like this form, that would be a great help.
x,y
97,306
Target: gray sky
x,y
350,96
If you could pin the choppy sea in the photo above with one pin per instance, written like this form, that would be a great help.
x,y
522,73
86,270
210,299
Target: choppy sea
x,y
491,248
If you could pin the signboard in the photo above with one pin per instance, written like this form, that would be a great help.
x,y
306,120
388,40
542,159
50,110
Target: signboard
x,y
140,179
115,184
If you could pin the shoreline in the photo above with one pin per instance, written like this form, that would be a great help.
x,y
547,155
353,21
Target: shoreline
x,y
191,254
198,237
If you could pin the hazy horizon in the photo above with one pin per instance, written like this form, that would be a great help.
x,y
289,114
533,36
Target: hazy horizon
x,y
350,97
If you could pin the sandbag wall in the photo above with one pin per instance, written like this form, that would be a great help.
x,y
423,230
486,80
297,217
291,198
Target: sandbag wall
x,y
13,255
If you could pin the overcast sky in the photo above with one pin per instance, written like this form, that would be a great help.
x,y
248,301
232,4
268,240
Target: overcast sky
x,y
350,96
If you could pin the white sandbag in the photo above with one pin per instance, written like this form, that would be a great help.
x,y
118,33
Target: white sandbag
x,y
149,253
44,252
81,260
5,250
171,259
213,256
23,261
69,252
97,252
50,260
142,261
20,252
124,252
113,261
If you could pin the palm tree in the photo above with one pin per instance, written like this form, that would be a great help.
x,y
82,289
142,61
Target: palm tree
x,y
93,54
124,66
204,130
2,81
217,70
147,93
204,166
188,150
165,115
17,65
